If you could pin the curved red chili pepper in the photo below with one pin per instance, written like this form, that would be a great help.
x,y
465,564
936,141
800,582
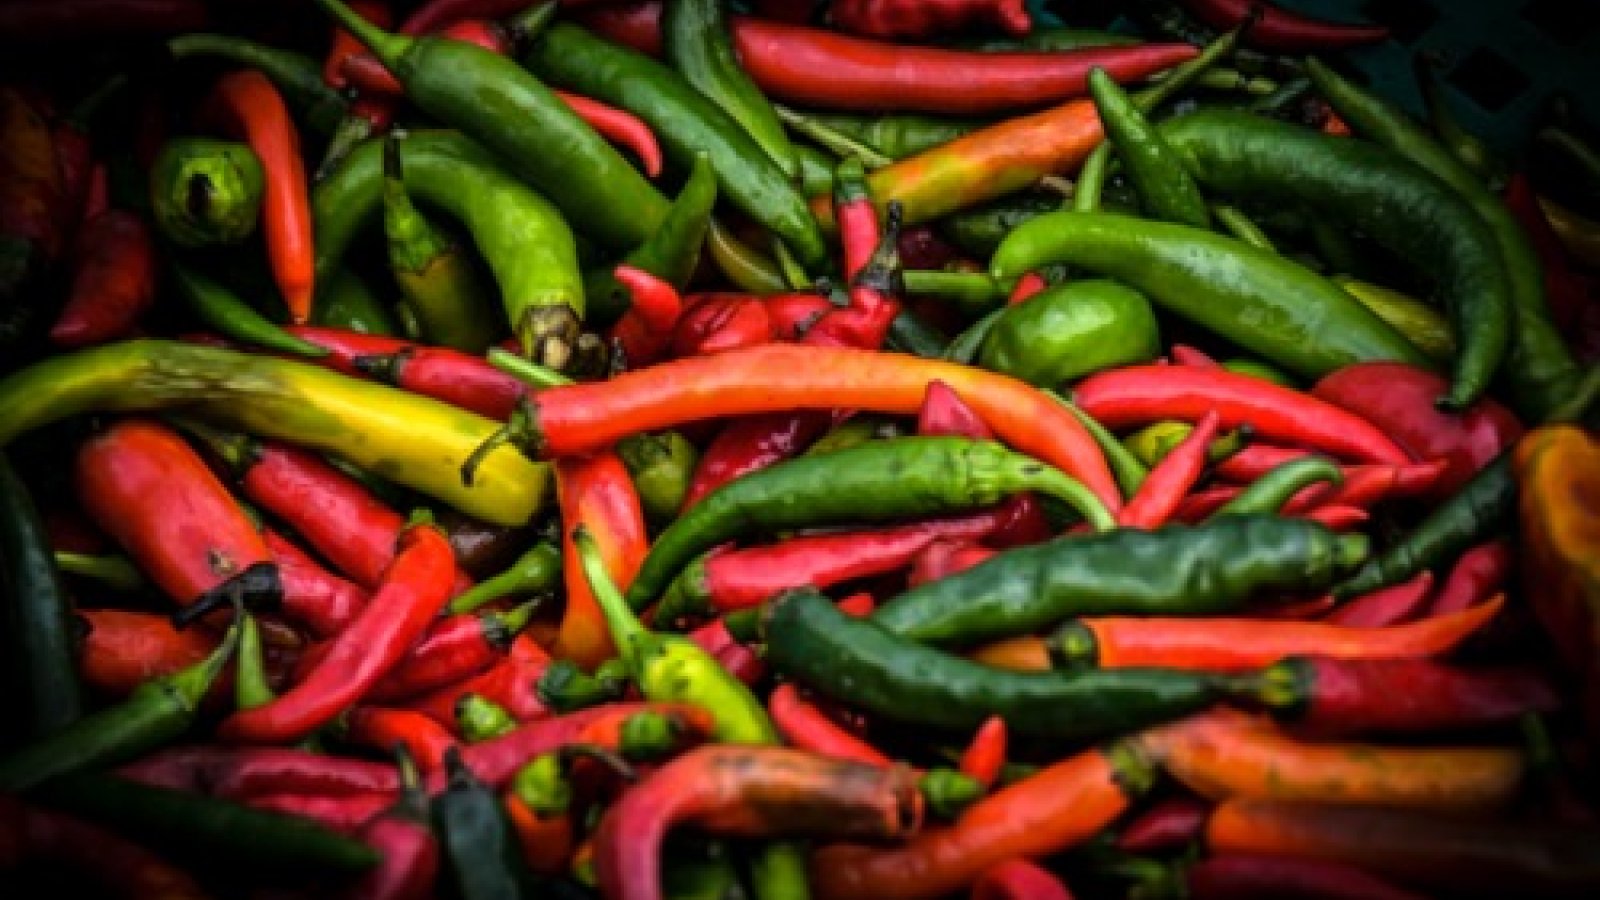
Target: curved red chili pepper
x,y
346,815
644,332
442,373
378,728
926,18
942,559
415,588
1163,490
344,347
809,728
1477,575
597,493
619,127
1348,696
248,105
986,755
1028,285
1172,824
513,683
453,648
1018,879
717,323
1392,605
345,44
1185,355
1276,28
1139,395
312,596
113,280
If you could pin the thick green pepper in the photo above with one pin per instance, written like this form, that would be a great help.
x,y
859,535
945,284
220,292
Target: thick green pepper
x,y
1269,305
694,34
297,75
1166,190
686,124
860,663
672,253
205,192
494,100
1374,191
1071,330
877,481
1217,567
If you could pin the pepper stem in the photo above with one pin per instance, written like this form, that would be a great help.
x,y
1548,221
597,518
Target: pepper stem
x,y
530,373
258,586
649,735
831,139
250,688
627,632
520,431
1351,551
386,46
190,685
237,451
114,571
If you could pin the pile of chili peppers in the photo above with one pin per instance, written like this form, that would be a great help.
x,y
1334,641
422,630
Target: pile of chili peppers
x,y
875,449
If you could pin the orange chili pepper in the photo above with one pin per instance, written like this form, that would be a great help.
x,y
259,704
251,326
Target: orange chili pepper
x,y
597,492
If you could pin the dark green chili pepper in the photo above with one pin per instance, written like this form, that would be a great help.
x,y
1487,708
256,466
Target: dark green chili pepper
x,y
1378,193
347,301
534,571
980,230
661,466
564,687
909,333
897,137
481,719
1166,190
480,849
973,293
694,34
157,711
686,124
1217,567
497,102
1539,367
860,663
1269,493
671,253
878,481
205,192
223,310
439,281
41,665
297,75
1125,466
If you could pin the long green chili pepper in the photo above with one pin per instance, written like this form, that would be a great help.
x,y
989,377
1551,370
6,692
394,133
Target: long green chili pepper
x,y
297,75
499,103
1217,567
1092,176
205,192
157,712
1165,189
41,666
223,310
695,35
837,142
973,293
535,571
480,849
1270,492
347,301
1539,366
878,481
1125,466
742,264
671,253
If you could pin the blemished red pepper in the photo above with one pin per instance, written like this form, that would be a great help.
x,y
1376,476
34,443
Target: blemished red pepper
x,y
1241,645
248,105
1172,478
415,588
453,648
1366,486
1168,825
113,280
1392,605
751,444
748,792
597,493
792,315
1139,395
1276,28
921,19
805,726
312,596
144,486
124,649
345,815
98,856
344,347
1249,876
403,836
985,757
457,378
943,558
1477,575
1052,810
380,728
717,323
345,45
644,332
1018,879
236,773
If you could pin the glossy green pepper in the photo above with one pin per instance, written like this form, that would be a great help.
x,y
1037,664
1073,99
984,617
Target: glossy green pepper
x,y
1071,330
205,192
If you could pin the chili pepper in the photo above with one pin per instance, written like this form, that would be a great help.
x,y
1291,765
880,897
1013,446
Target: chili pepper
x,y
1386,606
753,792
644,331
717,323
1206,569
1272,492
113,863
943,413
902,19
233,317
944,558
661,467
672,252
1276,28
205,192
445,374
892,136
565,687
1171,824
1015,879
453,648
1477,575
741,264
379,728
251,687
347,303
345,44
342,815
478,719
1433,851
1171,479
686,124
238,773
39,645
598,493
513,683
534,572
546,840
858,221
986,755
296,75
972,293
125,649
1541,370
698,44
409,853
1232,645
156,712
1128,468
415,588
113,280
1166,190
805,726
1052,810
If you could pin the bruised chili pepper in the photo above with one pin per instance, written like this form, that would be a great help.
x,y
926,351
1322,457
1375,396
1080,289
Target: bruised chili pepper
x,y
805,726
344,346
205,192
1232,645
1273,491
718,323
645,330
382,729
95,855
1387,606
1171,824
534,572
233,317
113,280
415,588
909,19
405,842
1165,486
696,38
749,792
597,493
1476,576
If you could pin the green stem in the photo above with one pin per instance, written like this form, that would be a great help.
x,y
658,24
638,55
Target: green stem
x,y
387,47
837,142
1092,179
530,373
117,572
1128,470
627,632
1056,483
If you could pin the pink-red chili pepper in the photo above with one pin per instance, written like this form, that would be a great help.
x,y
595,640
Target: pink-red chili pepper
x,y
312,596
415,588
403,837
1171,480
513,683
1028,285
986,755
644,332
792,315
346,815
1185,355
344,347
345,44
717,323
619,127
856,217
805,726
944,558
380,728
742,662
453,648
442,373
238,772
248,105
1018,879
927,18
1392,605
1248,876
1139,395
1477,575
113,280
1170,825
111,863
1276,28
597,493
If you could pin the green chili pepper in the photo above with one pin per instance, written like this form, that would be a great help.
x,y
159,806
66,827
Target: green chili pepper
x,y
897,137
836,142
535,571
346,301
1217,567
671,253
974,293
966,345
1092,179
1271,491
497,102
205,192
741,264
565,687
297,75
439,281
250,687
1151,444
860,663
910,333
686,124
694,34
480,719
528,373
1240,226
542,785
115,572
980,230
878,481
1539,367
158,711
1128,469
1262,302
661,466
1166,190
1468,149
41,665
1420,323
1071,330
816,170
480,849
220,308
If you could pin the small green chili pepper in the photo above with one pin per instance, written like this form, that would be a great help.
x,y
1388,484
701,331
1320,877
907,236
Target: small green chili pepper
x,y
205,192
694,34
220,308
1270,492
671,253
742,264
534,571
564,687
1166,190
480,719
661,466
973,293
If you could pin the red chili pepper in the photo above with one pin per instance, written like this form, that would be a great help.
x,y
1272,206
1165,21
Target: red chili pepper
x,y
404,839
1256,460
644,332
146,488
942,559
875,292
123,649
597,493
378,728
986,755
345,44
453,648
922,18
111,863
235,773
1276,28
805,726
445,374
1565,289
1185,355
513,683
1018,879
248,105
436,15
814,67
346,815
742,663
792,315
415,588
345,347
113,280
619,127
1173,824
70,21
856,217
1410,696
1199,505
1028,285
1392,605
1248,876
859,605
717,323
312,596
1139,395
1338,518
1163,490
1477,575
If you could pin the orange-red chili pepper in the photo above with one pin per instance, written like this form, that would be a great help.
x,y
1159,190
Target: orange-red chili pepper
x,y
805,726
380,728
597,493
1476,576
247,105
1386,606
1018,879
1028,285
926,18
644,332
986,755
1171,480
